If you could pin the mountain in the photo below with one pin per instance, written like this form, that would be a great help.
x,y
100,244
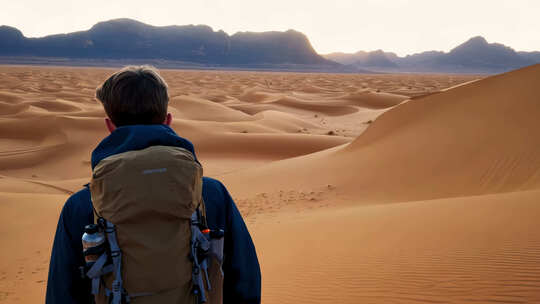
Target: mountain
x,y
370,60
11,39
478,54
534,56
122,39
475,55
275,47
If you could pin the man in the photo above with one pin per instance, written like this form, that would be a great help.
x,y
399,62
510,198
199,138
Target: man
x,y
135,100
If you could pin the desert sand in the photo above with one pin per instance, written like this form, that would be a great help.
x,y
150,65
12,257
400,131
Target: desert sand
x,y
356,188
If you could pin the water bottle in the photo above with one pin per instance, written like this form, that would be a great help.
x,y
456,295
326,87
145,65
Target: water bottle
x,y
93,241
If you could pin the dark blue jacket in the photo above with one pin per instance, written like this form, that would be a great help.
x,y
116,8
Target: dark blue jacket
x,y
242,283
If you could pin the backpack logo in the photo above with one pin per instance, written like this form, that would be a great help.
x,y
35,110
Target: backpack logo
x,y
151,171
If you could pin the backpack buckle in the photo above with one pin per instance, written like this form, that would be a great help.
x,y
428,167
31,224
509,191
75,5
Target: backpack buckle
x,y
115,287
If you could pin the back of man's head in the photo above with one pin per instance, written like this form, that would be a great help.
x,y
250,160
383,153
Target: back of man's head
x,y
135,95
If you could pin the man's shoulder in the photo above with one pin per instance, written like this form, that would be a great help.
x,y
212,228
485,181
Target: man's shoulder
x,y
218,202
214,190
80,197
78,204
210,182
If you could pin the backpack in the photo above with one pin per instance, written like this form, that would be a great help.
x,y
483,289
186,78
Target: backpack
x,y
149,205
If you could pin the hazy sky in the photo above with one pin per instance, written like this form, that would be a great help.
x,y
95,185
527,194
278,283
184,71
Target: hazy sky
x,y
402,26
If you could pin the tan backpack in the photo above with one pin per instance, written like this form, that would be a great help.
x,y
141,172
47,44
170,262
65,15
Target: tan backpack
x,y
149,205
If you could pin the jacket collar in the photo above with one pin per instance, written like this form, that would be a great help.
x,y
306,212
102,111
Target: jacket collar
x,y
138,137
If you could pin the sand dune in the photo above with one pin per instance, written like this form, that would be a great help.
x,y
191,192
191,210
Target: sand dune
x,y
188,107
473,148
46,111
478,138
356,188
483,249
28,226
374,100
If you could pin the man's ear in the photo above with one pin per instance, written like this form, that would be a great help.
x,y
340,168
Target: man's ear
x,y
168,119
110,125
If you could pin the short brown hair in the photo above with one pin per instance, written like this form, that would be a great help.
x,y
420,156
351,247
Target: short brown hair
x,y
135,95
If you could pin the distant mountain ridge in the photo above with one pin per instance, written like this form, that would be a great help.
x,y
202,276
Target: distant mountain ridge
x,y
125,41
375,59
475,55
131,39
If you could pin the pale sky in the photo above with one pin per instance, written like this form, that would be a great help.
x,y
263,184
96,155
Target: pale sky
x,y
401,26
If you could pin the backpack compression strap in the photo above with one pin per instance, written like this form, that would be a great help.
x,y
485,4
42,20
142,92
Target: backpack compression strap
x,y
116,255
200,247
99,268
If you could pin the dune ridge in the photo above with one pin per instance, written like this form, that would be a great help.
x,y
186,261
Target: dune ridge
x,y
478,138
